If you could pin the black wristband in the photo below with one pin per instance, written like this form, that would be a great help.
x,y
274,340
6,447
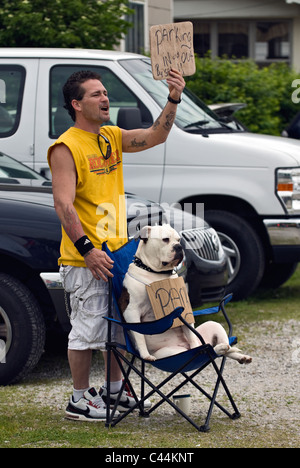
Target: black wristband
x,y
84,245
173,101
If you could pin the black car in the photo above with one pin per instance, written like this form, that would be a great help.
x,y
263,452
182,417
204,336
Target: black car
x,y
31,296
293,129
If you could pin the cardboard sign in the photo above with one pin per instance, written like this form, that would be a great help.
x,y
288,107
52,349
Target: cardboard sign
x,y
171,46
168,294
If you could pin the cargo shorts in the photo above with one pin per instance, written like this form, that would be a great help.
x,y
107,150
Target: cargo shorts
x,y
89,306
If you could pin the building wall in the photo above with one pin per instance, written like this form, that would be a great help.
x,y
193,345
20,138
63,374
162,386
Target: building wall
x,y
250,12
155,12
160,12
223,9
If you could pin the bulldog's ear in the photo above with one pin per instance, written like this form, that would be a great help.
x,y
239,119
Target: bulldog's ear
x,y
145,233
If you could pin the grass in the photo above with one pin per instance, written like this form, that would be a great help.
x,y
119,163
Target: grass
x,y
48,430
26,424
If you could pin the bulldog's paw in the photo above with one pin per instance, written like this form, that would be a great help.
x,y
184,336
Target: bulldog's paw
x,y
245,359
221,349
149,358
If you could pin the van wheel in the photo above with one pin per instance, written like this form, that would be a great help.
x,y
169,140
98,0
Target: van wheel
x,y
276,274
22,330
244,250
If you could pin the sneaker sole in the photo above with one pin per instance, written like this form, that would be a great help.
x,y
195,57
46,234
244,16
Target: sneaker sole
x,y
123,409
81,417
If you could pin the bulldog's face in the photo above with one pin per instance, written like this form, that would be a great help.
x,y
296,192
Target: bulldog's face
x,y
160,247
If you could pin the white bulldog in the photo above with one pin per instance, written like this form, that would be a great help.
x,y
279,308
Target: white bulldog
x,y
158,253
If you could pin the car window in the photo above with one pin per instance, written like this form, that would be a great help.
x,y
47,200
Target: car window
x,y
120,96
192,114
12,79
10,168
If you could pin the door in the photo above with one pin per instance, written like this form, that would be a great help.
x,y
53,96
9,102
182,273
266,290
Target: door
x,y
142,171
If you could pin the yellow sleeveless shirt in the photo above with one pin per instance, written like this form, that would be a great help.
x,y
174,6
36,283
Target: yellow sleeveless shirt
x,y
100,199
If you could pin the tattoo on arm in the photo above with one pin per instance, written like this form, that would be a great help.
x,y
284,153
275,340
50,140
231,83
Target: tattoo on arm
x,y
157,133
169,121
157,123
167,125
71,223
138,144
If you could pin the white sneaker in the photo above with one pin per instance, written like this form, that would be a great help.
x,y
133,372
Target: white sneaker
x,y
90,407
147,403
126,401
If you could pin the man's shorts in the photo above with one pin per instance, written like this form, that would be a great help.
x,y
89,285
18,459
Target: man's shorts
x,y
89,304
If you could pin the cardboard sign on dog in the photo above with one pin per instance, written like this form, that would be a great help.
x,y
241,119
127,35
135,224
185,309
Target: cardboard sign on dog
x,y
168,294
172,46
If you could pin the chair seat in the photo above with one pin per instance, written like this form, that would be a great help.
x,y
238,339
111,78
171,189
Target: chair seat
x,y
192,359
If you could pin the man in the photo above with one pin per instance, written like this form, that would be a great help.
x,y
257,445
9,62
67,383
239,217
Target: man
x,y
87,178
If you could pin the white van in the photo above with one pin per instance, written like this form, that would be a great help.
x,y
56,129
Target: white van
x,y
250,184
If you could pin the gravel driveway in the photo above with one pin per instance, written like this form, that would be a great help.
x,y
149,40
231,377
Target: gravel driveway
x,y
266,391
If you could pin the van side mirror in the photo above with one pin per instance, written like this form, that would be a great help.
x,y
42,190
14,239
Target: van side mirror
x,y
129,118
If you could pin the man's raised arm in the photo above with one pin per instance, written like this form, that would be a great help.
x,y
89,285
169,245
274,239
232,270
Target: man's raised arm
x,y
142,139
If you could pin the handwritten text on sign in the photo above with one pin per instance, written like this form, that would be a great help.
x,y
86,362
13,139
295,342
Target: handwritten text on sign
x,y
172,47
168,294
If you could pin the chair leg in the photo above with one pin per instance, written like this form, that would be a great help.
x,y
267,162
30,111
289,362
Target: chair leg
x,y
166,398
236,413
120,358
220,379
108,416
143,413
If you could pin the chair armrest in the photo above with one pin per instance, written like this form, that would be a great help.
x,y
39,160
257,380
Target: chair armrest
x,y
209,311
150,328
216,310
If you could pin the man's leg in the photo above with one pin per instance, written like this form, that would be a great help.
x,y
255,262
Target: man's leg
x,y
86,403
80,365
115,371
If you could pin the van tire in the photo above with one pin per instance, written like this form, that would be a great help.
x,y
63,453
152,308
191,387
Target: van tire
x,y
22,327
246,259
277,274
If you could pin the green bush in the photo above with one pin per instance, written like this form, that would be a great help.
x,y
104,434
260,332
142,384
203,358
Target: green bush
x,y
266,91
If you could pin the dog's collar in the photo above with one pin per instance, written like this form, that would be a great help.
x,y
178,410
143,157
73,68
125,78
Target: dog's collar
x,y
138,262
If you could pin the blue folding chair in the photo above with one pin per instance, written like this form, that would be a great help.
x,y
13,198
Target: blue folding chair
x,y
188,364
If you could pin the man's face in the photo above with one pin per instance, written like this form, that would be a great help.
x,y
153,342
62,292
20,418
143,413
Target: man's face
x,y
94,105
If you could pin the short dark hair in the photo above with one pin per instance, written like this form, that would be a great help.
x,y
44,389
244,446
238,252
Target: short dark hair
x,y
73,89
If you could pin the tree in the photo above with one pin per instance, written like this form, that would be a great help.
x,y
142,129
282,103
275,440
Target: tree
x,y
267,91
91,24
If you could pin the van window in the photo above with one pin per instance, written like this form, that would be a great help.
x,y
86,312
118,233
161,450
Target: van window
x,y
120,96
192,115
12,79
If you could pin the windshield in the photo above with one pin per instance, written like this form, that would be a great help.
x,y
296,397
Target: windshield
x,y
10,168
192,114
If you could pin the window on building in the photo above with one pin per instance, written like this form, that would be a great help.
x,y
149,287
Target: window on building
x,y
201,38
262,41
135,39
272,41
233,40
